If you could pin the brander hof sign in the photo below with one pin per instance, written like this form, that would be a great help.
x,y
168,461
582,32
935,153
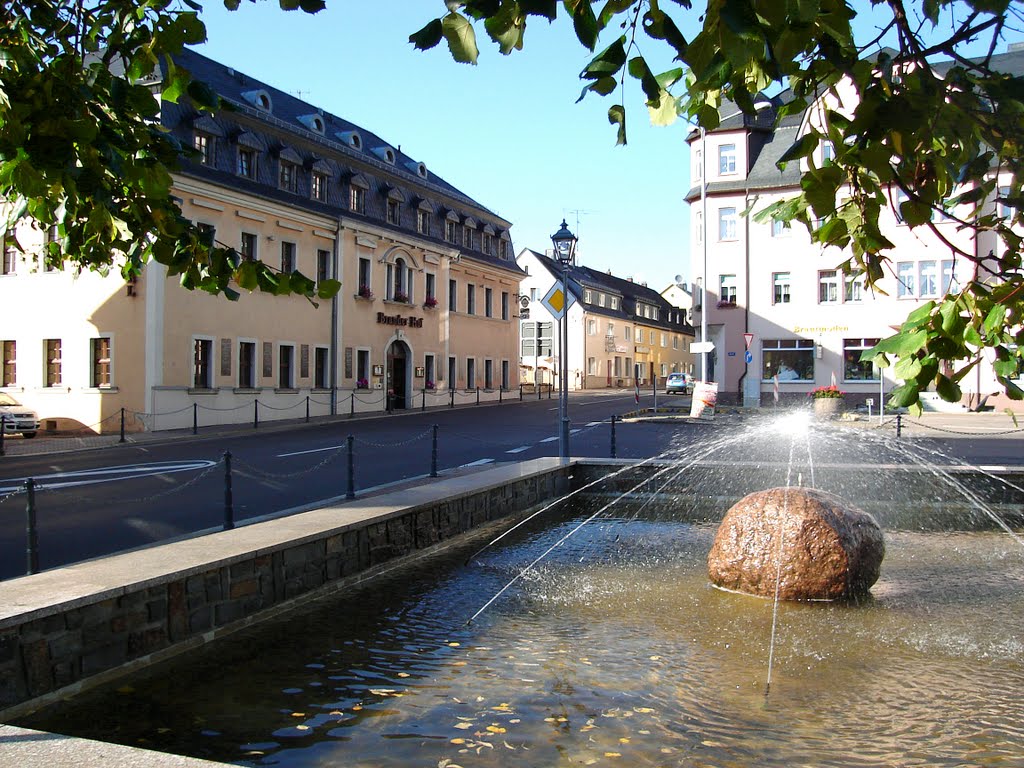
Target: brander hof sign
x,y
407,322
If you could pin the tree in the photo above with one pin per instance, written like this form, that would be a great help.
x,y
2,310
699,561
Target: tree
x,y
931,127
81,147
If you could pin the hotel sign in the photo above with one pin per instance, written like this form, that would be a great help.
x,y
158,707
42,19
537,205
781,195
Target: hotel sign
x,y
405,322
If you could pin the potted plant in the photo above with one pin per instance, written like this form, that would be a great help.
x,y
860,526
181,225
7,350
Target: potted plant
x,y
726,304
828,401
362,384
430,302
364,292
400,297
429,384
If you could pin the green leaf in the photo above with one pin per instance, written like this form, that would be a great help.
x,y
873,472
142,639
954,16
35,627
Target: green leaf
x,y
995,319
328,289
902,344
584,22
617,116
458,31
947,389
803,147
904,396
666,111
429,36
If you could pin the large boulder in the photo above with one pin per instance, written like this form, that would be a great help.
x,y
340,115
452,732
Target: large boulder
x,y
829,548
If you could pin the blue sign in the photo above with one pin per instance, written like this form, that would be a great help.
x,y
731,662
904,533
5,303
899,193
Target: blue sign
x,y
731,354
748,357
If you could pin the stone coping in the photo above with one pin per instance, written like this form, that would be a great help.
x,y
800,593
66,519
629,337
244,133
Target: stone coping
x,y
50,592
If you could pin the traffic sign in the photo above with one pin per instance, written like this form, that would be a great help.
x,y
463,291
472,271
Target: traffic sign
x,y
747,339
748,357
557,302
702,346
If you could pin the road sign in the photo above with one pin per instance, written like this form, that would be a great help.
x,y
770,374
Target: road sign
x,y
557,302
747,339
702,346
748,357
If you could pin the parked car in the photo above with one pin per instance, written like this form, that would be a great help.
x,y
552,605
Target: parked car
x,y
679,384
17,418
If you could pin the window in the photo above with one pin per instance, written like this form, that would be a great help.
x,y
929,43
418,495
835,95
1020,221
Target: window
x,y
467,237
10,369
488,243
928,279
246,364
699,226
503,250
651,338
318,186
591,327
450,231
600,299
592,366
430,289
10,265
364,277
781,229
100,353
202,363
470,373
675,342
285,366
323,265
203,144
533,294
428,371
627,333
664,340
423,222
726,223
901,198
488,374
488,303
828,153
588,296
321,368
828,286
249,246
51,255
853,287
357,199
453,296
727,289
504,305
698,165
470,299
780,288
611,330
950,281
727,159
639,338
287,176
394,213
399,281
53,363
853,368
789,359
505,381
287,258
363,367
453,371
247,162
614,302
905,274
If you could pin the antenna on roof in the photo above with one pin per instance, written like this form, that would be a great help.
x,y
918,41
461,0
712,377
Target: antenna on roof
x,y
299,94
577,212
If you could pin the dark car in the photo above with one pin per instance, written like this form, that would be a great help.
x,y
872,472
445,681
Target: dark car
x,y
679,384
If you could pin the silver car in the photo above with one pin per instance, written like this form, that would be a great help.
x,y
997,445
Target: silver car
x,y
678,384
17,418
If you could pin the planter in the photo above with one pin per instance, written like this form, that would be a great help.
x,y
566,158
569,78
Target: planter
x,y
827,407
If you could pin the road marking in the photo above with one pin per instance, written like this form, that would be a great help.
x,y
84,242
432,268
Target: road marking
x,y
595,423
311,450
574,431
478,463
549,439
992,468
106,474
520,449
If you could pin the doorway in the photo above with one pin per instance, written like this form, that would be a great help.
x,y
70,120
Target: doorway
x,y
398,373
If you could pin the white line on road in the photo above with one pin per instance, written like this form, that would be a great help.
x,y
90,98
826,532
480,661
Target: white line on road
x,y
595,423
311,450
520,449
549,439
106,474
479,462
992,468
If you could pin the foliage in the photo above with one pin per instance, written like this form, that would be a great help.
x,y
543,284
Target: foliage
x,y
82,149
931,132
829,392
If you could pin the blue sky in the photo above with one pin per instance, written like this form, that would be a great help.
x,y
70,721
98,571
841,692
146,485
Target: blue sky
x,y
507,132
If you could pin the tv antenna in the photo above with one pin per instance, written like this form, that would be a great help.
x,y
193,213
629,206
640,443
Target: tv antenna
x,y
577,212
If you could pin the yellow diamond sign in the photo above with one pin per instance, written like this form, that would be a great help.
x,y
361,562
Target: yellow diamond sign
x,y
557,302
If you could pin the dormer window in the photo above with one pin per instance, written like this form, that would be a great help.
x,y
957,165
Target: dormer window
x,y
394,212
350,139
204,144
315,123
387,154
418,168
451,227
247,162
727,159
357,194
467,237
288,176
423,214
260,99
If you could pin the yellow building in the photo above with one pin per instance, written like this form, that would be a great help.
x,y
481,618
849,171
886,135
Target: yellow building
x,y
425,313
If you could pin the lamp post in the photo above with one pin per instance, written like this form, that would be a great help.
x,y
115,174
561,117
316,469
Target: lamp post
x,y
704,253
564,242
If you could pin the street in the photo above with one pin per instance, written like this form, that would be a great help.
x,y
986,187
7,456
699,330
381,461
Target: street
x,y
94,502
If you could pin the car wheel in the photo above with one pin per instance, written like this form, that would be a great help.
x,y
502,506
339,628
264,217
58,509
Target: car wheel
x,y
28,435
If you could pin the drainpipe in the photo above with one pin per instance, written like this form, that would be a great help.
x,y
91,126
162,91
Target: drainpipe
x,y
335,332
746,277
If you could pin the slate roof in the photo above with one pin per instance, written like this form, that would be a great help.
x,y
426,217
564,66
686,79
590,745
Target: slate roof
x,y
581,278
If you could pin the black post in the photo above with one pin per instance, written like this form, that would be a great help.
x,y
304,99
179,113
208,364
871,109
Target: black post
x,y
195,418
122,426
30,527
307,409
255,414
501,391
899,425
613,435
478,395
452,393
387,402
3,429
423,406
550,390
229,503
351,493
520,391
433,452
352,406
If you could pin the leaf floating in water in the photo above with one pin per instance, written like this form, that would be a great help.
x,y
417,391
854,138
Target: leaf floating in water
x,y
302,727
655,658
463,726
454,645
458,663
298,714
613,754
458,741
403,674
382,691
515,721
508,746
496,729
624,740
357,707
643,710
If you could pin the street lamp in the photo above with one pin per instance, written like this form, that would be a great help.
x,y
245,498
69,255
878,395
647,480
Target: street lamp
x,y
564,242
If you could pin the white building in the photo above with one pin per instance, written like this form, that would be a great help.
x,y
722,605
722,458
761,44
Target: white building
x,y
808,320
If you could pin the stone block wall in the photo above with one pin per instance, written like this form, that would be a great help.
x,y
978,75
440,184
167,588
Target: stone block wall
x,y
62,647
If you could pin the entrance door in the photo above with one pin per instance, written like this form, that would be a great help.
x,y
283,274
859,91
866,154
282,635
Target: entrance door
x,y
398,371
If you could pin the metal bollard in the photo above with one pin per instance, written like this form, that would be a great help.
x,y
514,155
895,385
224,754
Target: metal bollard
x,y
122,426
478,395
423,406
433,452
351,492
229,501
32,536
352,406
307,409
195,418
255,414
501,391
520,392
613,435
451,392
899,425
3,429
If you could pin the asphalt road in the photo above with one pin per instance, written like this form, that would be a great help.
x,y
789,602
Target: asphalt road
x,y
91,503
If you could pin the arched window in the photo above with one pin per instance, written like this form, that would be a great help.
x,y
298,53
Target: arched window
x,y
399,281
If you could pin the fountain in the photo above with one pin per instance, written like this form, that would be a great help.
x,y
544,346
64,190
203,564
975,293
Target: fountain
x,y
610,646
